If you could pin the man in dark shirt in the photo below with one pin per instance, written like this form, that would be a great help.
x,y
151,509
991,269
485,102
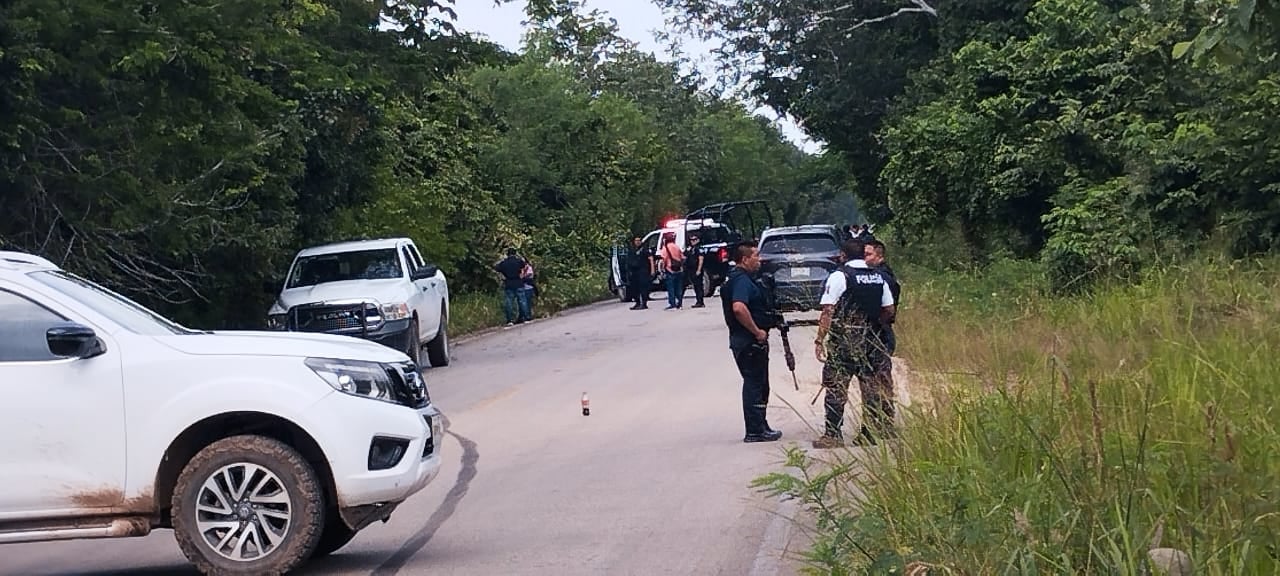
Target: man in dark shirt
x,y
640,272
693,260
748,315
515,304
875,252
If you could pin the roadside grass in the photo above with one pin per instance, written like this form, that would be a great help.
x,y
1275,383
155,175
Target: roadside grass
x,y
471,312
1067,435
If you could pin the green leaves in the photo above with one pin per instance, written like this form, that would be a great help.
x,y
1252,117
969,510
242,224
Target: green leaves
x,y
181,152
1238,31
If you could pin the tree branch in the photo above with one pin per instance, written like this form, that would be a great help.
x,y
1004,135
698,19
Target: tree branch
x,y
830,15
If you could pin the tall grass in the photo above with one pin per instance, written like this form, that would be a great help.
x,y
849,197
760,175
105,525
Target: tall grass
x,y
1069,436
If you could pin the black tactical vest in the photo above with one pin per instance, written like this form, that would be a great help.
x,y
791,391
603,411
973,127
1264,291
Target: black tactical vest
x,y
855,323
860,303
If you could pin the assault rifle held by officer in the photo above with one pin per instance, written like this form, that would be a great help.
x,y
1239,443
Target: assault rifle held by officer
x,y
784,328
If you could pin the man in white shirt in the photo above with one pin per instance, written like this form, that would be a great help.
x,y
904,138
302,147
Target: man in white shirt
x,y
856,304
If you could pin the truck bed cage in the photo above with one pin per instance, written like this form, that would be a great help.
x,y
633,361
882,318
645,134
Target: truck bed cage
x,y
728,213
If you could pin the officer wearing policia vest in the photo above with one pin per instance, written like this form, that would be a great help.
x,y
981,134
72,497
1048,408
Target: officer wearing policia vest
x,y
856,305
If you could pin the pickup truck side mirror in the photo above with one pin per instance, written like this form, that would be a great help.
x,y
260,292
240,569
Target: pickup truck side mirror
x,y
74,341
425,272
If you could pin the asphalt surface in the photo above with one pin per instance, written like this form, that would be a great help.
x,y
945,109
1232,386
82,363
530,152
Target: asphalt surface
x,y
655,481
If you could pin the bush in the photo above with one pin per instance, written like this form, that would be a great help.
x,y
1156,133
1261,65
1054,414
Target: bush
x,y
1070,435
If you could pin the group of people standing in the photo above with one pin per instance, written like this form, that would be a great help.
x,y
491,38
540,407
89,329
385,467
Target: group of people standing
x,y
855,340
519,287
679,269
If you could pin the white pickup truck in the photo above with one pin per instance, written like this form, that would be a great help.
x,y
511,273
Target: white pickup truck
x,y
379,290
259,449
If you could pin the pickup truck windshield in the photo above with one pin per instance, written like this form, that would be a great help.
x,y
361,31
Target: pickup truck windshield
x,y
362,265
123,311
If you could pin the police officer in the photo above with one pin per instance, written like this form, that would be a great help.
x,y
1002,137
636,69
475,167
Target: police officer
x,y
693,260
749,316
640,271
856,303
875,252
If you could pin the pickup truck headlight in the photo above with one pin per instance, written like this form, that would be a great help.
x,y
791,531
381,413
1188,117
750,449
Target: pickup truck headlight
x,y
395,312
367,379
277,321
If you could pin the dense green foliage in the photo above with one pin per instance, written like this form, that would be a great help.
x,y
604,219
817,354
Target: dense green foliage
x,y
1068,435
182,151
1065,130
1018,148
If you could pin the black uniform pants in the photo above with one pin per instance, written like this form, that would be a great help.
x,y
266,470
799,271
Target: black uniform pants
x,y
753,364
696,281
875,382
639,287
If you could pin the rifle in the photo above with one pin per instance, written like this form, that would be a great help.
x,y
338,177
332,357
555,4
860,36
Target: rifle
x,y
780,322
783,328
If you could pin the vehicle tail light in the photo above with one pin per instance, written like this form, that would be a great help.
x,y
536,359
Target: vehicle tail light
x,y
723,254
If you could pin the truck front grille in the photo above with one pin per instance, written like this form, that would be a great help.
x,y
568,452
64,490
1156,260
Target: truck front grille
x,y
338,318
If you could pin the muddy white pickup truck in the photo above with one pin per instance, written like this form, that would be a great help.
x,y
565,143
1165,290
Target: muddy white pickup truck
x,y
259,449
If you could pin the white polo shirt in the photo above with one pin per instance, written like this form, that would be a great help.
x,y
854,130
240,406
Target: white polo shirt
x,y
835,287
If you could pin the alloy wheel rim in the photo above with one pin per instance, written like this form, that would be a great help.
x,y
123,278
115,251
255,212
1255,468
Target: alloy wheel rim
x,y
243,512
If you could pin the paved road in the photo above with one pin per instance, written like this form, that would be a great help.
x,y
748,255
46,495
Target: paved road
x,y
654,481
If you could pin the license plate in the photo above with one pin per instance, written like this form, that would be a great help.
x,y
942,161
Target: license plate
x,y
799,272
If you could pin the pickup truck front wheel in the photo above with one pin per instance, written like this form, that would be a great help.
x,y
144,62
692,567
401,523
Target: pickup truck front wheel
x,y
414,350
438,347
248,505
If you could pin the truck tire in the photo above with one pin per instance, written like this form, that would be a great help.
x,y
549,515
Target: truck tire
x,y
414,349
438,347
248,505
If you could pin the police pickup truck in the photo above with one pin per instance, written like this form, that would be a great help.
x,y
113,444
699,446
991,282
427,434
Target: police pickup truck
x,y
714,248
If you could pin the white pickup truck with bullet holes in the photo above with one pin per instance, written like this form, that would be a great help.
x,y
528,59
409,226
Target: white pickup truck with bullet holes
x,y
259,449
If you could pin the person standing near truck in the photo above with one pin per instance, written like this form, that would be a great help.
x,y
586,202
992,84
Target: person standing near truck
x,y
749,316
515,303
673,271
693,262
530,278
856,304
875,253
640,271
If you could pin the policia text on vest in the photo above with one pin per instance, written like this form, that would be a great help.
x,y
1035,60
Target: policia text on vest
x,y
857,308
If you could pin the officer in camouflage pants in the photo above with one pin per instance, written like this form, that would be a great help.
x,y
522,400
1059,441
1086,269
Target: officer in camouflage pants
x,y
856,303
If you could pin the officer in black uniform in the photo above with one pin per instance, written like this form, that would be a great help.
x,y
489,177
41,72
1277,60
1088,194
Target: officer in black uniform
x,y
856,304
640,271
875,257
749,317
693,261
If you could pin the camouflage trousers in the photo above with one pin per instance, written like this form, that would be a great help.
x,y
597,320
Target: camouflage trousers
x,y
875,382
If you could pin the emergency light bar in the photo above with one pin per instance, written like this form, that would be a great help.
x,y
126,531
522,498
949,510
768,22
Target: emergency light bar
x,y
679,222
